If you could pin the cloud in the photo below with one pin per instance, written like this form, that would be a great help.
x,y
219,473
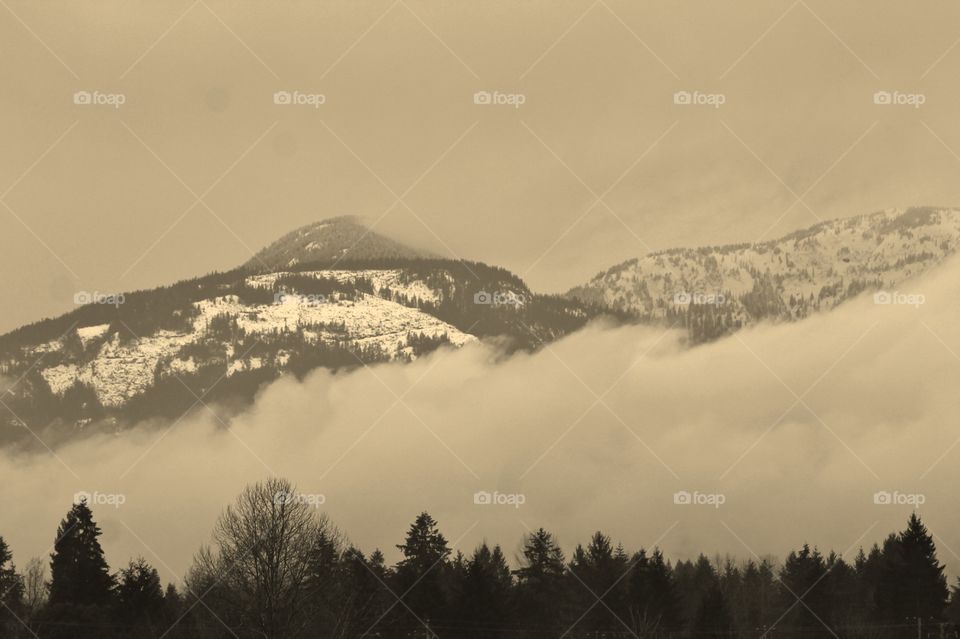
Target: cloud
x,y
796,425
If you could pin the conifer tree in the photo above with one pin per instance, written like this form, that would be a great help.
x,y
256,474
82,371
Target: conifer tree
x,y
652,598
540,581
139,592
422,573
78,570
713,616
911,583
485,592
11,591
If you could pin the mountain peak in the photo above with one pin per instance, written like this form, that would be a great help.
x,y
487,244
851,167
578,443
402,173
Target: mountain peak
x,y
336,239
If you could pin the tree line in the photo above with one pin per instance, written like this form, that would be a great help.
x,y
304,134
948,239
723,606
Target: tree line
x,y
277,568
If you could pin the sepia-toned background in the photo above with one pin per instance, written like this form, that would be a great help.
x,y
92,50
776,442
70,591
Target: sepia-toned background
x,y
592,159
103,198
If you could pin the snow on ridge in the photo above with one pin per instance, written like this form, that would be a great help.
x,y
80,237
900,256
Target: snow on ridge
x,y
121,371
890,246
379,278
89,333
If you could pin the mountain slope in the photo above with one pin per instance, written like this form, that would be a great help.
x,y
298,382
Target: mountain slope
x,y
715,290
218,338
339,238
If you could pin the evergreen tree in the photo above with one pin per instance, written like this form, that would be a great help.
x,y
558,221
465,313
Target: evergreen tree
x,y
139,593
595,572
484,597
911,584
758,597
79,572
422,573
694,581
540,582
841,588
713,616
172,605
652,605
11,584
803,577
867,567
11,592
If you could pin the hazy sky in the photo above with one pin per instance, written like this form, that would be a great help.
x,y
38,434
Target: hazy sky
x,y
94,197
796,425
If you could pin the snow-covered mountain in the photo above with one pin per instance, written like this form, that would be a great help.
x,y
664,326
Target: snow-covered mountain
x,y
313,300
715,290
221,336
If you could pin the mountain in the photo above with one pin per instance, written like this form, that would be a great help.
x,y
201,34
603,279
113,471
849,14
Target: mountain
x,y
337,299
338,238
713,291
332,295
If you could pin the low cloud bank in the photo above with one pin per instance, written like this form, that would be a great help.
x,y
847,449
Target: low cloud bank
x,y
776,436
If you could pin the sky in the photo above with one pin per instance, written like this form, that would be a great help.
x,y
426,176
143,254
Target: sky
x,y
183,163
188,159
781,434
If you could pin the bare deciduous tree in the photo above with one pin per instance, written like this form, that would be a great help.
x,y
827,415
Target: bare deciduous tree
x,y
35,584
257,571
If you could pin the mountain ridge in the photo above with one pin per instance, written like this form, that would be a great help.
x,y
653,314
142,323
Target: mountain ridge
x,y
221,336
715,290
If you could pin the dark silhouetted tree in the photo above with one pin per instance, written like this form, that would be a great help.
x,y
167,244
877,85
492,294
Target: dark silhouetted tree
x,y
78,569
139,594
540,582
652,606
484,595
803,578
911,583
713,616
422,574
